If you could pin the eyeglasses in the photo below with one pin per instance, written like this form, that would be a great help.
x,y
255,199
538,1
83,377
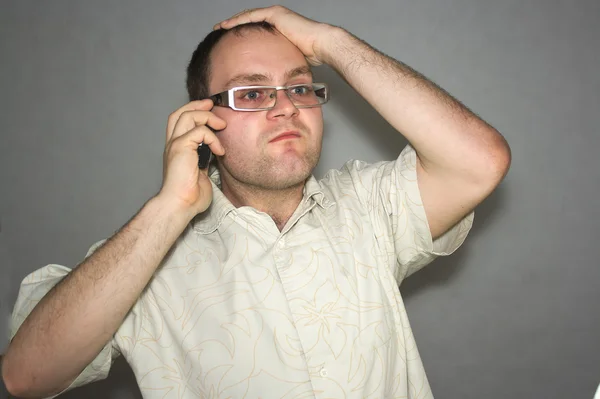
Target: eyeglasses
x,y
262,98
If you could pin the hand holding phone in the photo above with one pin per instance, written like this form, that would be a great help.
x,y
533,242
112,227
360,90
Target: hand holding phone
x,y
189,145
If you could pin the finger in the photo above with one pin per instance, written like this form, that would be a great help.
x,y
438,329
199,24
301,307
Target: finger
x,y
253,15
241,12
218,26
193,138
200,105
190,119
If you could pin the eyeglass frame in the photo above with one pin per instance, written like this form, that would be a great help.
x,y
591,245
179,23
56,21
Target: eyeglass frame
x,y
221,100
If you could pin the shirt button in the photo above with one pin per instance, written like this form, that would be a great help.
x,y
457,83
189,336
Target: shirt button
x,y
323,372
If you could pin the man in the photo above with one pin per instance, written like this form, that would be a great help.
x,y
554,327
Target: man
x,y
261,281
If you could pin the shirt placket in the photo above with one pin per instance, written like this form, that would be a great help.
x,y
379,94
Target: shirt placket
x,y
317,367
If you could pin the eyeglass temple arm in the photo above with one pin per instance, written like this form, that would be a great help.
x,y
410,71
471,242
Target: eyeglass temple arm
x,y
219,99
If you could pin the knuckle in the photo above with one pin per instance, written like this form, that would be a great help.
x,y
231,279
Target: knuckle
x,y
186,114
197,115
172,117
187,118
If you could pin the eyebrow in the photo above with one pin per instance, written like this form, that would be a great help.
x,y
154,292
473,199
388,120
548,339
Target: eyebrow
x,y
261,78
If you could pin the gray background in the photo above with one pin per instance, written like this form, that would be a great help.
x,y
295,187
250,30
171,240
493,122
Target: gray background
x,y
86,88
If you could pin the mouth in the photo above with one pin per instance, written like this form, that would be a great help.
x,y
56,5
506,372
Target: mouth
x,y
285,136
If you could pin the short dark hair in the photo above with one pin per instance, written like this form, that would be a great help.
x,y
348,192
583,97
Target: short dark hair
x,y
198,70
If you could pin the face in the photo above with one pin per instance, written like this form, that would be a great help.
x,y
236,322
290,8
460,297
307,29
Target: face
x,y
274,149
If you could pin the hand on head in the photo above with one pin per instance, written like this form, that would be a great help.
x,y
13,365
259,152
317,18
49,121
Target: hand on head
x,y
306,34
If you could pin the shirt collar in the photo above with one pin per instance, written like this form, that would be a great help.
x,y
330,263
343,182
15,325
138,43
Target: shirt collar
x,y
210,220
313,190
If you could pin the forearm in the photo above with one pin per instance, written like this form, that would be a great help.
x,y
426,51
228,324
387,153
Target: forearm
x,y
446,135
75,320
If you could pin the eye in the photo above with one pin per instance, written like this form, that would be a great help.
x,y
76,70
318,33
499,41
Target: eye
x,y
301,90
252,95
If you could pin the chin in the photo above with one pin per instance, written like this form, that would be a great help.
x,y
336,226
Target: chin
x,y
284,179
287,173
274,173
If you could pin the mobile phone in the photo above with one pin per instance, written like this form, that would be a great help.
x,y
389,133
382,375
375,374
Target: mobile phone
x,y
204,155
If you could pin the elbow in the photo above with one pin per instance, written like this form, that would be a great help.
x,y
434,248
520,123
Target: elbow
x,y
18,382
500,160
494,165
13,379
491,169
10,379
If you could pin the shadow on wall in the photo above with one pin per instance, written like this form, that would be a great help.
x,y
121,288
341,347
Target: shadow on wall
x,y
8,288
443,269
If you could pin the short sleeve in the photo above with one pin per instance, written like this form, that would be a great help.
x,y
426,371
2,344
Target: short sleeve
x,y
390,191
33,288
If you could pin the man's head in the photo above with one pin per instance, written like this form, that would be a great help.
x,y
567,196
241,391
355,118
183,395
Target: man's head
x,y
257,54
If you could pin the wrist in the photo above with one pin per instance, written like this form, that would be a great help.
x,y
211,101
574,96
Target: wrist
x,y
329,42
174,210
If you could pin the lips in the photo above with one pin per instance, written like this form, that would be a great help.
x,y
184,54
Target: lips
x,y
285,136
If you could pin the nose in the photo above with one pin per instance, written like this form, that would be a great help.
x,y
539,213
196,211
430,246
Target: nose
x,y
284,107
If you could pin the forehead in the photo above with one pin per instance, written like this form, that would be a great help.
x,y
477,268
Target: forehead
x,y
254,52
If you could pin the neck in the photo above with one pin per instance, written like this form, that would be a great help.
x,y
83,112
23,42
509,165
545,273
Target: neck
x,y
280,204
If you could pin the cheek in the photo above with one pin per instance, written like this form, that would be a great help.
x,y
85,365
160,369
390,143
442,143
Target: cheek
x,y
314,122
237,137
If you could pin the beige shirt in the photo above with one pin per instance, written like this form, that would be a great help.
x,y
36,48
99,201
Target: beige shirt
x,y
239,309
